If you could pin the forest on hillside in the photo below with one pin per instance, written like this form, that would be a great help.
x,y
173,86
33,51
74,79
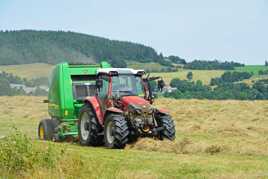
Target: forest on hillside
x,y
29,46
52,47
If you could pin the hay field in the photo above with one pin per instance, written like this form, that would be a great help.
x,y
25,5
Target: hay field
x,y
28,71
145,66
215,139
203,75
251,69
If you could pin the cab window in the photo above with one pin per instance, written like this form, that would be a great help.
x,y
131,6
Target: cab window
x,y
104,90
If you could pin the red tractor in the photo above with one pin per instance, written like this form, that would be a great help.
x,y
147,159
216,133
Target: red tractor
x,y
122,111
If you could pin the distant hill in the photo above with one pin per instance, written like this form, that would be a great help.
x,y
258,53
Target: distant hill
x,y
29,46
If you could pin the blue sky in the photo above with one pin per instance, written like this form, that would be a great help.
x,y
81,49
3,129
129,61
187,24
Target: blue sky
x,y
208,29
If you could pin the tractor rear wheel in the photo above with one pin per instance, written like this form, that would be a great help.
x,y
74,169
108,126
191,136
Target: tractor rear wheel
x,y
46,129
169,131
116,131
88,128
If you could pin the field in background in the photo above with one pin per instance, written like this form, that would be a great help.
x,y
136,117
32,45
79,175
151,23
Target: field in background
x,y
215,139
145,66
28,71
252,68
43,70
255,70
203,75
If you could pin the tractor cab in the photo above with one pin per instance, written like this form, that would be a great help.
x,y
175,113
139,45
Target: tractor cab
x,y
115,83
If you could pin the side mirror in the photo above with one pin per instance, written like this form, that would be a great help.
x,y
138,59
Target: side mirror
x,y
99,83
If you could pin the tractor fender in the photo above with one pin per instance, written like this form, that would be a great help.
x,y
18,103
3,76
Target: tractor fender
x,y
112,110
96,107
162,112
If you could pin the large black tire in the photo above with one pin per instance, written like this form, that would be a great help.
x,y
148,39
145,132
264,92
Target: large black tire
x,y
92,136
116,131
46,129
169,131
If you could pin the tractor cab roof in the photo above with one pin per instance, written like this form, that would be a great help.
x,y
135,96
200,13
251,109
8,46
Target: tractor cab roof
x,y
118,71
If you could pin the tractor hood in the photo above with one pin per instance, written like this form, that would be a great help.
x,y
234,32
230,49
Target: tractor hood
x,y
135,100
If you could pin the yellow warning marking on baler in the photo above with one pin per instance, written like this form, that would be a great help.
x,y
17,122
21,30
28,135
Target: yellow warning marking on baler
x,y
42,133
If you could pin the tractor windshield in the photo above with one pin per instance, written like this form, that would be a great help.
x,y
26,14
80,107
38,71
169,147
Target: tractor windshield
x,y
127,85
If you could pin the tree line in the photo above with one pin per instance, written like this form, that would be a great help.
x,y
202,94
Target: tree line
x,y
7,79
40,81
230,77
263,72
212,65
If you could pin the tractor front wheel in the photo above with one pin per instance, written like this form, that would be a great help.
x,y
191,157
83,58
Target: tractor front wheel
x,y
46,129
115,131
169,128
88,128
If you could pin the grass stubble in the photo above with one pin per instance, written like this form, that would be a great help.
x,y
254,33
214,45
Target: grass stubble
x,y
214,139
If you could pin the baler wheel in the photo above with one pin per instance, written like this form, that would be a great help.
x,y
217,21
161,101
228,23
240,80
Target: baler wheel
x,y
46,129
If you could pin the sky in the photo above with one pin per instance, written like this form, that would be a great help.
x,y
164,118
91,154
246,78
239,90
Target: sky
x,y
207,30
